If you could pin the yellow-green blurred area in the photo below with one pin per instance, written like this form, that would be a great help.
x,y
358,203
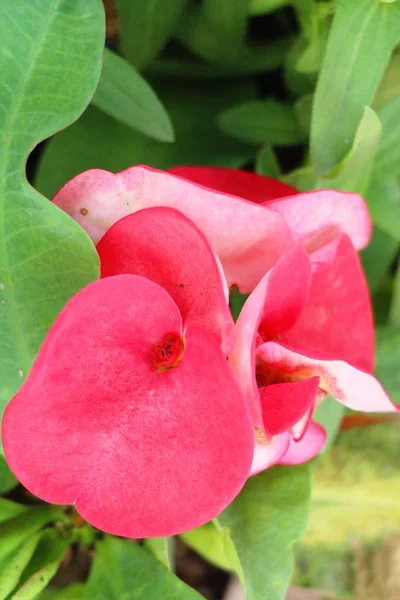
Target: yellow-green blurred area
x,y
352,545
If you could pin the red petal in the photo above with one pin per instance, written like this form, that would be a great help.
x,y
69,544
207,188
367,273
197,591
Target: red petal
x,y
315,218
256,188
164,246
337,322
248,239
272,307
307,448
353,388
141,453
284,404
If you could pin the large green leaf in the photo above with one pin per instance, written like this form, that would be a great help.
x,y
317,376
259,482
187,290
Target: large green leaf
x,y
50,60
378,256
9,509
388,361
72,592
264,520
122,570
97,141
260,122
360,43
145,26
355,171
123,94
260,7
213,543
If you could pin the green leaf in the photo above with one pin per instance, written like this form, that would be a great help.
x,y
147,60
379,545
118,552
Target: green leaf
x,y
262,7
394,314
389,88
145,27
387,161
355,171
267,163
12,569
35,584
122,570
211,542
267,58
9,509
329,414
97,141
388,361
123,94
259,122
16,530
378,256
227,21
72,592
197,37
50,62
383,199
7,479
360,43
162,549
264,520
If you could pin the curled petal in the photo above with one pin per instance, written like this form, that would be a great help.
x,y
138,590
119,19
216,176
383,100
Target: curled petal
x,y
267,455
316,218
354,388
145,432
274,305
337,322
166,247
247,185
285,404
247,238
307,448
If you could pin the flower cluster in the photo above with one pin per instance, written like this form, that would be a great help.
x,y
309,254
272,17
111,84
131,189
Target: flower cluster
x,y
147,406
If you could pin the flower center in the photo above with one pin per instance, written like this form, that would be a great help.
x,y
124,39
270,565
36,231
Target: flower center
x,y
167,353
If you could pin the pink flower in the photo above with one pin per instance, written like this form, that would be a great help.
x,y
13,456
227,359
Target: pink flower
x,y
130,410
304,332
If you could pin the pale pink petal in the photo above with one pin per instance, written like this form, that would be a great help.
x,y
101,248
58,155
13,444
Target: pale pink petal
x,y
315,218
355,389
248,238
267,455
305,449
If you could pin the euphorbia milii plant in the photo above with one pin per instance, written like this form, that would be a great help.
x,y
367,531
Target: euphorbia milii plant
x,y
147,407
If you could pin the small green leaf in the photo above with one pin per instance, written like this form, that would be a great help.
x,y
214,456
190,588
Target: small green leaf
x,y
270,122
9,509
388,361
72,592
146,26
14,531
13,567
262,7
378,256
98,141
383,200
267,163
123,570
35,584
329,414
227,21
197,37
264,520
7,479
355,171
360,43
389,87
210,542
387,161
123,94
50,62
162,549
